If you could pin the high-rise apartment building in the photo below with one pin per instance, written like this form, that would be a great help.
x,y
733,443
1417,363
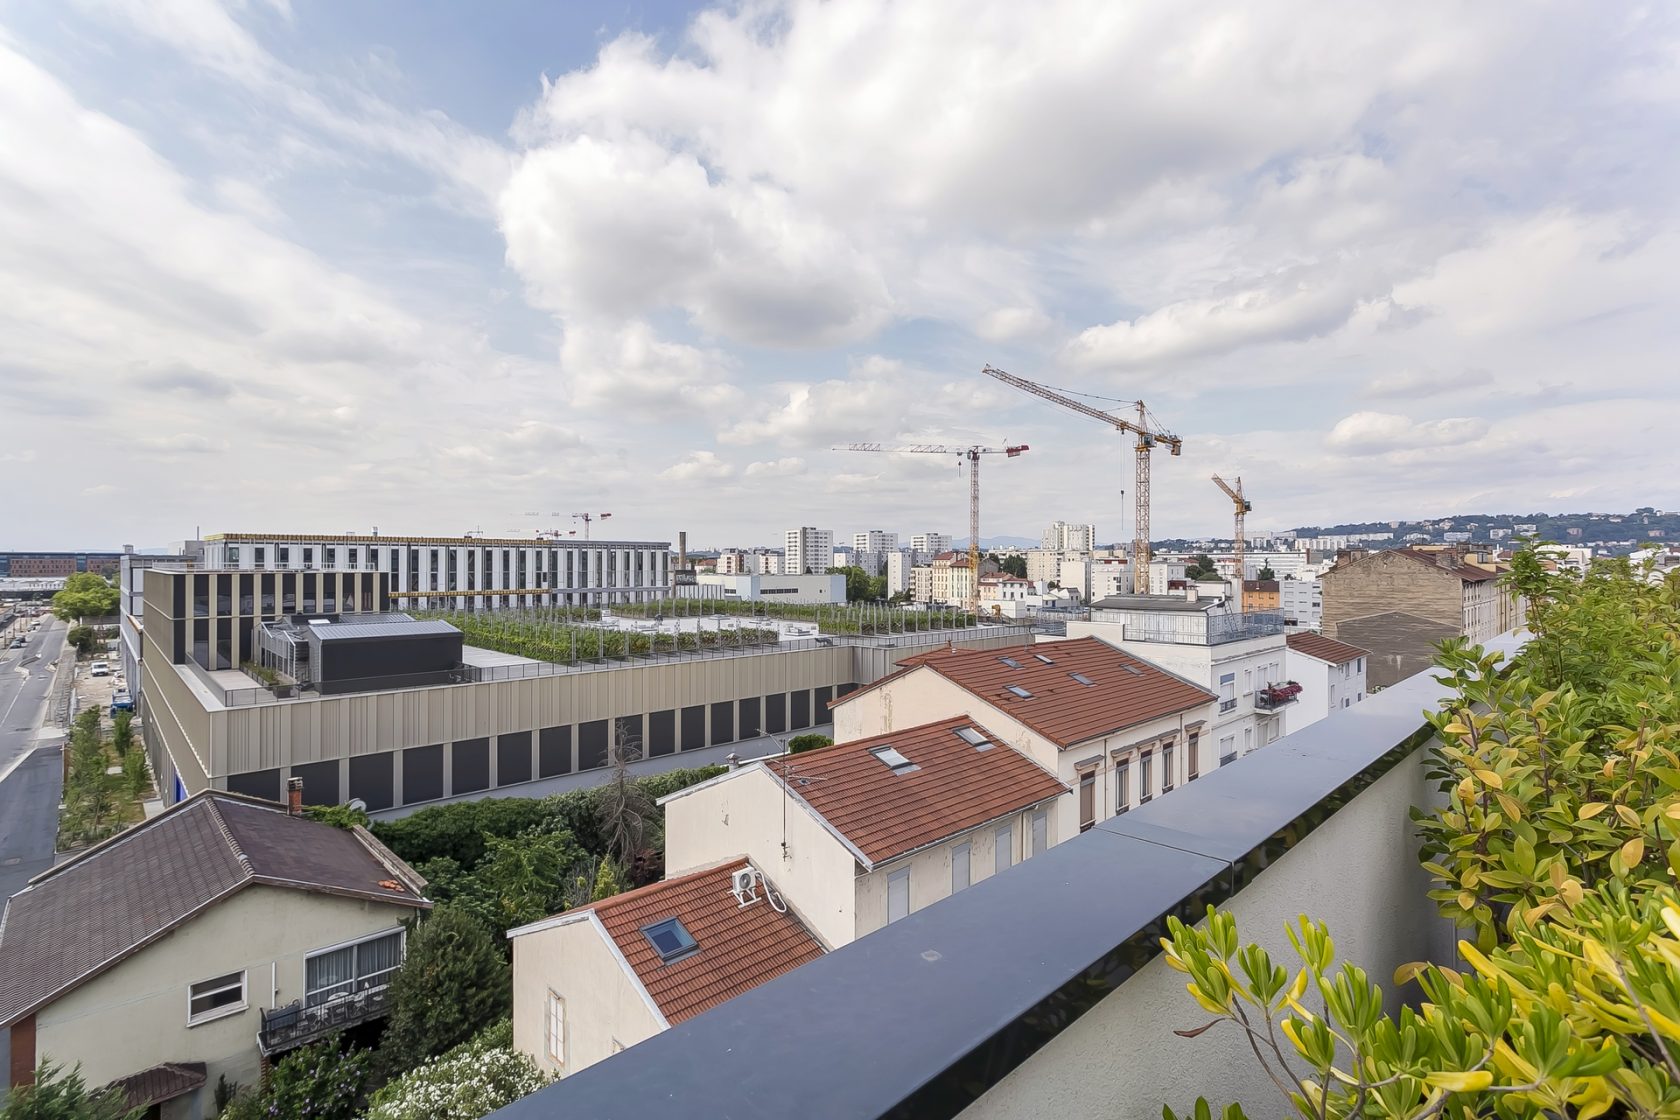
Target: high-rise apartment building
x,y
874,541
808,551
931,543
1063,536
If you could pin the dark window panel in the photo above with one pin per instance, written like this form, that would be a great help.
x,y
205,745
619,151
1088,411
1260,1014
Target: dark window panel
x,y
819,703
694,727
267,593
750,727
370,779
513,758
775,713
662,732
201,596
256,783
320,782
845,689
723,722
247,593
592,744
554,751
224,594
469,768
422,774
801,704
630,734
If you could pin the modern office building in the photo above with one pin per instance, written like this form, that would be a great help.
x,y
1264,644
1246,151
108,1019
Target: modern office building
x,y
464,573
389,715
48,565
808,551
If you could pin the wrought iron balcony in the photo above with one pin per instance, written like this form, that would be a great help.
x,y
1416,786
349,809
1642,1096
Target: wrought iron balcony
x,y
1273,697
286,1028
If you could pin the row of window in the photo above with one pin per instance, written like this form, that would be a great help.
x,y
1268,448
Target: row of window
x,y
1134,775
565,567
547,752
962,855
329,974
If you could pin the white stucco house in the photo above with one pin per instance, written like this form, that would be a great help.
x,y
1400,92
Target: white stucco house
x,y
1331,675
190,947
1113,728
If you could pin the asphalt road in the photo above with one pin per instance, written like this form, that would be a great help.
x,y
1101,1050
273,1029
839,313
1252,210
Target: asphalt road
x,y
30,770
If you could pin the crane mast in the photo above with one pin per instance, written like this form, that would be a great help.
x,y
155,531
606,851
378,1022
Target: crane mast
x,y
1146,441
1242,506
972,456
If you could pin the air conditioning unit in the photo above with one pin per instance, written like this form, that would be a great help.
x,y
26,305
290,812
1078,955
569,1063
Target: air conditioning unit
x,y
743,884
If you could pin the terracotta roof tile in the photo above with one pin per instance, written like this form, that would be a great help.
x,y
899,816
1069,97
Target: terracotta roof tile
x,y
1325,649
1124,690
160,1083
739,947
885,812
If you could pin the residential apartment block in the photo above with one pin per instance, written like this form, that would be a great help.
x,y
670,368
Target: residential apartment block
x,y
807,551
1400,602
1331,675
875,540
1239,657
464,573
931,543
1115,729
946,578
1302,603
1063,536
56,565
196,944
599,978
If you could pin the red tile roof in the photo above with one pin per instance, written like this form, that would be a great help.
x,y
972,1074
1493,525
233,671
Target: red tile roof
x,y
740,947
1325,649
1124,690
885,813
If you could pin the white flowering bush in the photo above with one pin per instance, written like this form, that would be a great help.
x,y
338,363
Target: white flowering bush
x,y
468,1082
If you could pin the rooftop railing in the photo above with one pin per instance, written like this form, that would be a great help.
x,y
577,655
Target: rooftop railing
x,y
1042,991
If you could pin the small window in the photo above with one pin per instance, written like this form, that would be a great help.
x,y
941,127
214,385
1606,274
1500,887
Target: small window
x,y
670,939
891,756
961,874
1087,800
1168,773
1043,658
1011,662
973,738
555,1029
212,999
1040,831
1003,848
1122,785
1017,690
1134,670
898,895
1146,779
1082,679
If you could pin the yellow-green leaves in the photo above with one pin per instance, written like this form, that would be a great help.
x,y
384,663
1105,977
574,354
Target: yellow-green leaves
x,y
1473,1081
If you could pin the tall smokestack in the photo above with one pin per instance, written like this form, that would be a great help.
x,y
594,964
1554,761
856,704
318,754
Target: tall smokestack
x,y
294,797
682,550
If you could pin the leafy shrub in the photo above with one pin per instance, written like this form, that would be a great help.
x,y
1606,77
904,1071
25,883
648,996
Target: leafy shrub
x,y
339,816
468,1082
799,744
61,1094
122,732
451,985
315,1082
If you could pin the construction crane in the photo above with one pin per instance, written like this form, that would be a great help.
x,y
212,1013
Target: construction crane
x,y
1243,505
972,455
586,518
1147,438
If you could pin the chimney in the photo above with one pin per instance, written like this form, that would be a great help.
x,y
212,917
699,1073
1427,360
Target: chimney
x,y
294,797
682,550
1447,559
1191,591
733,759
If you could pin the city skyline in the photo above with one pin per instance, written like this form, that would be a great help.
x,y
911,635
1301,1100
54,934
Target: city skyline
x,y
439,271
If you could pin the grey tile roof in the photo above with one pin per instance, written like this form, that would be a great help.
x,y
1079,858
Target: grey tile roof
x,y
83,916
160,1083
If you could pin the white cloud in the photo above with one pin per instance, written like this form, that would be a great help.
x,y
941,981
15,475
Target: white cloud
x,y
1006,324
629,368
1367,433
1416,384
779,468
699,466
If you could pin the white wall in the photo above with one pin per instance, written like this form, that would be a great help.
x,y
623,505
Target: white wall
x,y
134,1016
603,1004
747,813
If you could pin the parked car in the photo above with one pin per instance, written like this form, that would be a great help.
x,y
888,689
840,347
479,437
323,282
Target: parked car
x,y
122,702
19,643
100,669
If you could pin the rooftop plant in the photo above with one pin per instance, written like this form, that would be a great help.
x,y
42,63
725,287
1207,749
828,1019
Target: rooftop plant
x,y
1554,846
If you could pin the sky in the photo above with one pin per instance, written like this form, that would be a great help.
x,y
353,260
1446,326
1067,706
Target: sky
x,y
436,267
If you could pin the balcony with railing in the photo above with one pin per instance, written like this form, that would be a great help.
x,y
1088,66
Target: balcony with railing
x,y
299,1023
1192,626
1043,991
1277,696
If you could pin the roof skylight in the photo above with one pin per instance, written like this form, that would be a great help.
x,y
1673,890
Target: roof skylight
x,y
892,757
670,939
1019,691
1082,679
1044,659
974,738
1011,662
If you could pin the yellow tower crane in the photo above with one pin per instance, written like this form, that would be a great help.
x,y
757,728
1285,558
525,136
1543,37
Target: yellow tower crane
x,y
1243,505
972,456
1147,438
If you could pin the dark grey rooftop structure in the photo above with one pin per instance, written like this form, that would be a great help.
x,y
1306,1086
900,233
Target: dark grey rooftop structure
x,y
361,652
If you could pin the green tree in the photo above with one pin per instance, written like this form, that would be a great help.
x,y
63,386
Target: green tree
x,y
526,874
86,595
1200,567
625,809
858,583
1266,573
134,776
122,732
339,816
452,984
1013,565
316,1082
61,1094
607,882
799,744
81,638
